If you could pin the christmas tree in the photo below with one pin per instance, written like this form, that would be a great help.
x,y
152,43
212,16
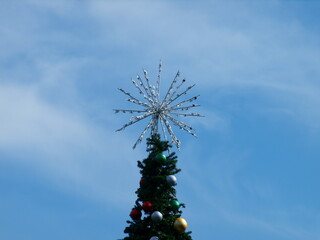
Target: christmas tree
x,y
157,198
157,211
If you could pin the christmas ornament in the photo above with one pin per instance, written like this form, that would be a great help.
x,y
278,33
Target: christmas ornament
x,y
160,111
156,216
171,180
135,214
175,204
160,157
141,181
147,206
154,238
180,225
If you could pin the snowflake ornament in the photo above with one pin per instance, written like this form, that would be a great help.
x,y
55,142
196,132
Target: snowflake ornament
x,y
163,111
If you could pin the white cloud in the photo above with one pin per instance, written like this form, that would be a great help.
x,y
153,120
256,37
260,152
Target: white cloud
x,y
253,206
64,146
240,46
258,54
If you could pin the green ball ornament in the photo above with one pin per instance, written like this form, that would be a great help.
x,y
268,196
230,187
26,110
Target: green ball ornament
x,y
174,204
160,157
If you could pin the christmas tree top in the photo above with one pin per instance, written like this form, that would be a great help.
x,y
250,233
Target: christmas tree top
x,y
157,212
163,111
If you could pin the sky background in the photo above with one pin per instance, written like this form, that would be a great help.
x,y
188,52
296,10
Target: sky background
x,y
253,172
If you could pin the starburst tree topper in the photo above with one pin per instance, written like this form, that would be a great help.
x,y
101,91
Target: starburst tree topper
x,y
163,112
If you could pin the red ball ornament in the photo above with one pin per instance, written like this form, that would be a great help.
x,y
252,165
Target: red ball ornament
x,y
135,214
141,181
147,206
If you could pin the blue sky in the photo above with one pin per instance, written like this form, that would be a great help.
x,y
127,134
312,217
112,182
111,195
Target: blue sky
x,y
253,172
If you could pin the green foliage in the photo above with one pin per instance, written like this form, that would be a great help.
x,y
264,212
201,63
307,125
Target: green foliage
x,y
154,188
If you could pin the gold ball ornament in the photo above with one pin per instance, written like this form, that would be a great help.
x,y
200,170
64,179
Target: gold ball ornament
x,y
180,224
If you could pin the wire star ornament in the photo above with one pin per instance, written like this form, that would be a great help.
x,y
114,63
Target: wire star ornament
x,y
163,111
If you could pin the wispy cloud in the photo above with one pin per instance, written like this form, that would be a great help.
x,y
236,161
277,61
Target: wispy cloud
x,y
62,61
254,206
63,144
258,51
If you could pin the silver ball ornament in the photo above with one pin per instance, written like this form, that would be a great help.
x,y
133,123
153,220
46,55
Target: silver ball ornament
x,y
154,238
156,216
171,180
